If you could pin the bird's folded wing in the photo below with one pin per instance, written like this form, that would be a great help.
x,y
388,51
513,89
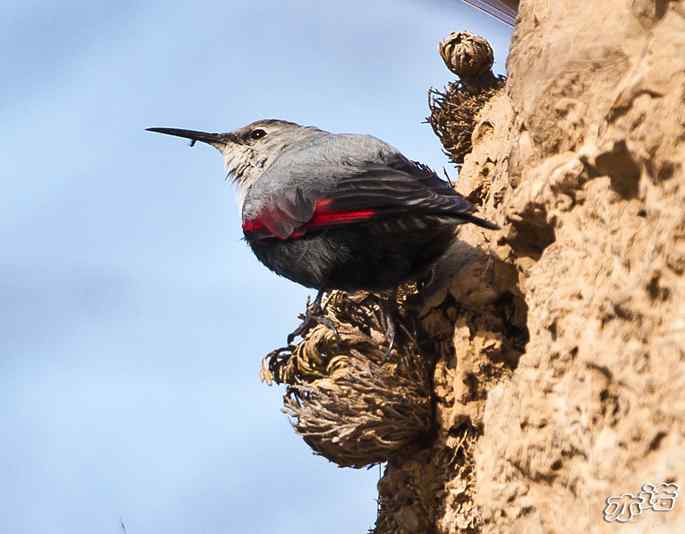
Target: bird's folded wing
x,y
379,191
386,189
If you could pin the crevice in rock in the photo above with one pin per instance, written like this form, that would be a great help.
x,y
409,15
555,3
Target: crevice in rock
x,y
530,233
619,164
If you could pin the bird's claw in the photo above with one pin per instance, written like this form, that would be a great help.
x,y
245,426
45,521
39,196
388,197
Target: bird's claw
x,y
390,331
313,315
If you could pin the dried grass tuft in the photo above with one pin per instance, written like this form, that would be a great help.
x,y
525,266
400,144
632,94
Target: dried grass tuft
x,y
350,401
453,110
467,55
453,114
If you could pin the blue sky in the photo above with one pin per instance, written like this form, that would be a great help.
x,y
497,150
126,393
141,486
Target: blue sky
x,y
133,318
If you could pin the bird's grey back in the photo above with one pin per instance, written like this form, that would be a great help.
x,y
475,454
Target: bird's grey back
x,y
316,162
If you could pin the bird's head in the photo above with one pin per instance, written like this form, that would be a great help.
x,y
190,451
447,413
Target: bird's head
x,y
250,150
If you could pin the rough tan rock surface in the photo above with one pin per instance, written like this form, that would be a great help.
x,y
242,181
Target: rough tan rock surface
x,y
561,376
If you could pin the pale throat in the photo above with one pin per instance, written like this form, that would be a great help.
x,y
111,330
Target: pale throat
x,y
243,167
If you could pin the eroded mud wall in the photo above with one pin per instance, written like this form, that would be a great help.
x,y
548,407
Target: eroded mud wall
x,y
561,377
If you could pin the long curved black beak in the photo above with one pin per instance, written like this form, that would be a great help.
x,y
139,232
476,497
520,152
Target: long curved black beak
x,y
194,135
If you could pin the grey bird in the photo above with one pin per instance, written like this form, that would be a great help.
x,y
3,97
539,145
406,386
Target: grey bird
x,y
336,211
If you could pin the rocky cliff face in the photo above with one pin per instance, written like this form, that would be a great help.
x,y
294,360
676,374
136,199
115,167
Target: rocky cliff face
x,y
561,375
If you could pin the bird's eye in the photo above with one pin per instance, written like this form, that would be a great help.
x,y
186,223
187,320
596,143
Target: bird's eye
x,y
257,134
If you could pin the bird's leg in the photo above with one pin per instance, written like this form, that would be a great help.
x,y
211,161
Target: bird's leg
x,y
312,316
388,309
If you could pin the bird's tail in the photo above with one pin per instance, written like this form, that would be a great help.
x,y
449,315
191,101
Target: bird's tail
x,y
467,217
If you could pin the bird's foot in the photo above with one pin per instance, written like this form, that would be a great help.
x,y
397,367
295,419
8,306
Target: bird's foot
x,y
390,331
313,315
389,315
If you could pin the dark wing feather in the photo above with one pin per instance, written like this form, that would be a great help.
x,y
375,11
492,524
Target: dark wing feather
x,y
406,186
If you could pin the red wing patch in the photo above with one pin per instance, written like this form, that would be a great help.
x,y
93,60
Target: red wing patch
x,y
323,216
